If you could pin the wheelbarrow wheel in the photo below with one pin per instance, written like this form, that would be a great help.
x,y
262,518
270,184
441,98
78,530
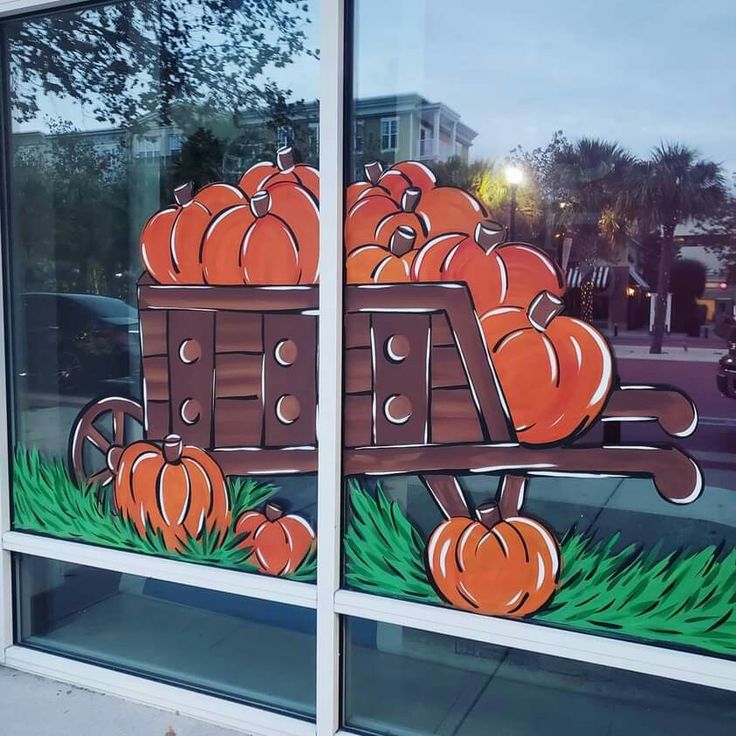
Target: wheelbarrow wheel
x,y
100,425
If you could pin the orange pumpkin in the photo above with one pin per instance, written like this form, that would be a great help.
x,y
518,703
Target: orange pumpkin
x,y
299,210
451,210
368,188
495,566
178,492
405,174
264,175
171,239
249,244
497,273
555,372
374,219
278,543
374,264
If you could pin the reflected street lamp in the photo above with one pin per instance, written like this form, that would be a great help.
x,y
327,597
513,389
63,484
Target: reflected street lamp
x,y
514,177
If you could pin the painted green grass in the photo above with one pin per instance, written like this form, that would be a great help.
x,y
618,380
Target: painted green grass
x,y
685,598
47,501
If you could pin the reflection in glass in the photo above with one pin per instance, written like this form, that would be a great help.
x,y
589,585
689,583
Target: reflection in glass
x,y
407,682
249,650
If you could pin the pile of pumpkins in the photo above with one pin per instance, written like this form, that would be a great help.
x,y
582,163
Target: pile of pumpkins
x,y
401,227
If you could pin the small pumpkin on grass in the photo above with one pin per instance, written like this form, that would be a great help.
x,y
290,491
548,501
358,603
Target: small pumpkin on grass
x,y
177,490
555,372
375,264
494,566
279,542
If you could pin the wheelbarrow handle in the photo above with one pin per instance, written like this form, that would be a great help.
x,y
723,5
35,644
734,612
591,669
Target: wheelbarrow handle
x,y
668,406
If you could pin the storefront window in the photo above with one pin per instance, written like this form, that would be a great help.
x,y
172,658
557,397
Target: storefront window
x,y
530,430
163,191
250,650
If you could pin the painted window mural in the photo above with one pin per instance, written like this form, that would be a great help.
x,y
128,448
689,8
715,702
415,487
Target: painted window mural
x,y
532,424
165,262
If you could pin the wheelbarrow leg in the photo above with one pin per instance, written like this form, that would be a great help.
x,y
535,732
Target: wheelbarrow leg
x,y
447,494
511,495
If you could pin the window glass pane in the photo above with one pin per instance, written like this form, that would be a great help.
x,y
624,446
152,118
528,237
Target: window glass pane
x,y
162,180
402,681
518,442
241,648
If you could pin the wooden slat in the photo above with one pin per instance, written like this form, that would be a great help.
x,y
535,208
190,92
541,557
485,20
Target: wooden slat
x,y
297,380
454,416
156,378
238,375
358,372
357,330
192,381
238,332
406,379
358,420
446,368
158,421
238,422
441,332
153,332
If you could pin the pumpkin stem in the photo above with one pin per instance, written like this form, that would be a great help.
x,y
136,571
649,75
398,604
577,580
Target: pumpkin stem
x,y
173,448
410,199
184,194
273,511
285,158
402,241
489,234
373,171
543,309
488,514
114,456
260,204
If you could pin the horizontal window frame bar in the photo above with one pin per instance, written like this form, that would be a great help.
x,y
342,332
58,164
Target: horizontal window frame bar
x,y
646,659
160,695
206,577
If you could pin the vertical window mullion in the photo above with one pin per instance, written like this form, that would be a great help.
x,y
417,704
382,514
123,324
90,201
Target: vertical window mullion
x,y
329,430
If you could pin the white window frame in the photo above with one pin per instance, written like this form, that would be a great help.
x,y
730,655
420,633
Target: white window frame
x,y
326,597
390,121
358,125
282,136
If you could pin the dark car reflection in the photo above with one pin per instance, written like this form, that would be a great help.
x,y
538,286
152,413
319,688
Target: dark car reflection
x,y
76,342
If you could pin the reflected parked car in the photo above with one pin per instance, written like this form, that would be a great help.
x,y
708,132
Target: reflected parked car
x,y
726,376
75,341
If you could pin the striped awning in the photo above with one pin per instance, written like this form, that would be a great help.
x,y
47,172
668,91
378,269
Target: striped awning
x,y
578,275
638,279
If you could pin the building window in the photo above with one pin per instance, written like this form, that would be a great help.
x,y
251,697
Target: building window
x,y
358,136
314,139
282,136
389,134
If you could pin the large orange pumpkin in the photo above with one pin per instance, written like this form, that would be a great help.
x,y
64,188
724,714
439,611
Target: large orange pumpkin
x,y
374,219
368,188
374,264
497,273
279,543
264,175
451,210
171,239
555,372
404,175
178,492
495,566
248,244
299,210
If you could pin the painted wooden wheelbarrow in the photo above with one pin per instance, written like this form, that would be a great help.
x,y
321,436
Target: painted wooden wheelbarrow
x,y
233,370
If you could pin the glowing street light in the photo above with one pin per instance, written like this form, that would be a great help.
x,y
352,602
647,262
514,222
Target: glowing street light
x,y
514,177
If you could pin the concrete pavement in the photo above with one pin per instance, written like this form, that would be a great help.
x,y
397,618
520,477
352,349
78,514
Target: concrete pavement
x,y
34,706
